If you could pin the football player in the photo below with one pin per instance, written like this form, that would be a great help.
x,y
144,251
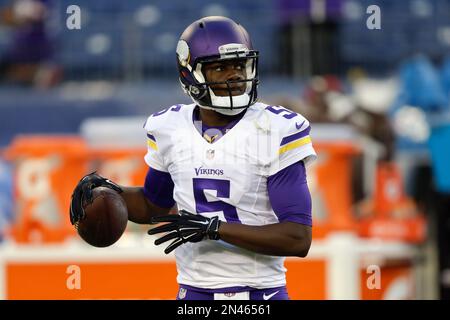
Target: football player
x,y
234,167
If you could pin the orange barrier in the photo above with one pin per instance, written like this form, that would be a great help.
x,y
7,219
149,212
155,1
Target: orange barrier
x,y
133,280
107,280
396,283
306,280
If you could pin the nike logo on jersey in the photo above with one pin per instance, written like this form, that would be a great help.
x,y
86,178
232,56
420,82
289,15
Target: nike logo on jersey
x,y
270,295
298,126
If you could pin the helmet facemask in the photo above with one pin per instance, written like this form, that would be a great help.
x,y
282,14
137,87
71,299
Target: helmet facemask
x,y
194,82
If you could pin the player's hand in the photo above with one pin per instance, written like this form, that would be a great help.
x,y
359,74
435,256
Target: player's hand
x,y
185,227
82,195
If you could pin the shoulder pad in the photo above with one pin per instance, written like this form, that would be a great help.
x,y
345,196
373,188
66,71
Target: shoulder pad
x,y
286,122
162,117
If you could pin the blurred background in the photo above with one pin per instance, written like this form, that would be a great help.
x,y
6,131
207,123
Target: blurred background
x,y
375,83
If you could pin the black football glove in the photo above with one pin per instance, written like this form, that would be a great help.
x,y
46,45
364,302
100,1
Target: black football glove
x,y
185,227
82,195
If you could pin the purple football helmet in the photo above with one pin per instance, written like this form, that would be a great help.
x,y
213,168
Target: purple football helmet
x,y
215,39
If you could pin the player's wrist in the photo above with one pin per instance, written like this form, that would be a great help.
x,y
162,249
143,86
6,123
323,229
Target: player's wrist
x,y
213,229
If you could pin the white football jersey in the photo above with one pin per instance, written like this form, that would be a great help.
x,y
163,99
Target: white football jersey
x,y
227,178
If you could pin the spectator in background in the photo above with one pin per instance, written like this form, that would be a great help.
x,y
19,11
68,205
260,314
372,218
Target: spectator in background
x,y
26,59
308,36
421,86
421,104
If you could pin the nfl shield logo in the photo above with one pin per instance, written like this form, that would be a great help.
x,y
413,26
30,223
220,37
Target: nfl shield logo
x,y
209,154
182,293
229,294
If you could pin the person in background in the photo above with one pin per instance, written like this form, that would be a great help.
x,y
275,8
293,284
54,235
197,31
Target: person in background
x,y
26,58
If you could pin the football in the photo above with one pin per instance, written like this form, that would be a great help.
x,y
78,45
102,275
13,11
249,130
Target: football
x,y
105,218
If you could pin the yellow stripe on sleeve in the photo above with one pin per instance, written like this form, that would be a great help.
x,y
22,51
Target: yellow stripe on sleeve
x,y
152,144
295,144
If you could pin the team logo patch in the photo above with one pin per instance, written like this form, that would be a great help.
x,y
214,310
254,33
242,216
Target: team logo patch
x,y
182,293
210,154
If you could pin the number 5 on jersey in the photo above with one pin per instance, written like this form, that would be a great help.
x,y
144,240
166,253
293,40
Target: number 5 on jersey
x,y
222,187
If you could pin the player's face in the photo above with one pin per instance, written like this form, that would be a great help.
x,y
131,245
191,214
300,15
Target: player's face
x,y
225,71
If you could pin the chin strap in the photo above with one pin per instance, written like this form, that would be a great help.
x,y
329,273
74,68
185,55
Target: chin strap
x,y
226,112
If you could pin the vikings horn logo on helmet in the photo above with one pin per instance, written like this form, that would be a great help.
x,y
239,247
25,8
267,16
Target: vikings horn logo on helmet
x,y
183,53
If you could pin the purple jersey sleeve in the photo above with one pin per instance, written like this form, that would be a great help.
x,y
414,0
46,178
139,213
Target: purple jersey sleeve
x,y
289,194
158,188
